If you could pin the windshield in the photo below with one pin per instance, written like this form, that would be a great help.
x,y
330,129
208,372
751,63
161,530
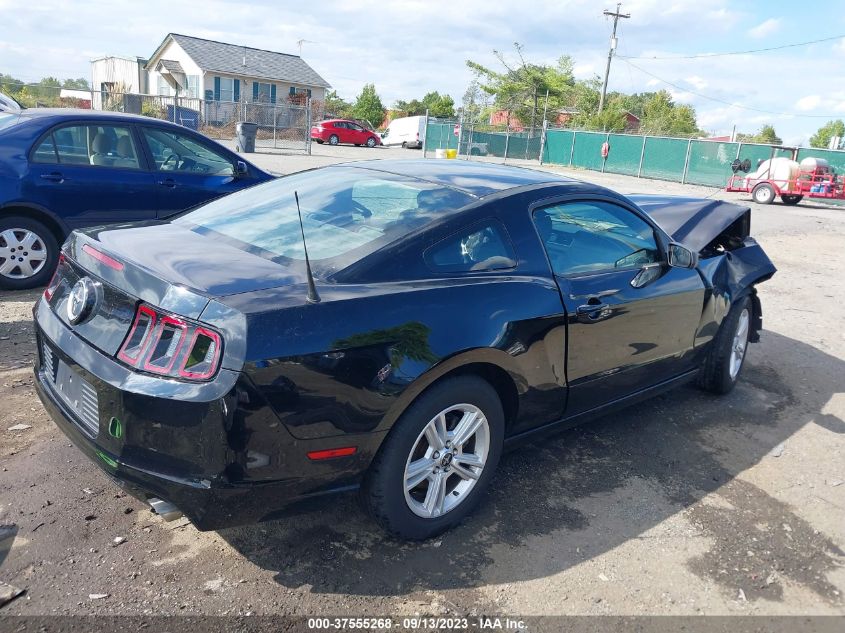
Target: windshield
x,y
347,213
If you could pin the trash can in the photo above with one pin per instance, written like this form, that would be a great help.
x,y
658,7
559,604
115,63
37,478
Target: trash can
x,y
245,137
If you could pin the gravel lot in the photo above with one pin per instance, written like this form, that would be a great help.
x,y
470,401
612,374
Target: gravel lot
x,y
687,504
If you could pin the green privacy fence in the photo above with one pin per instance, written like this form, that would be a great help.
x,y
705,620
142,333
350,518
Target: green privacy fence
x,y
696,161
483,141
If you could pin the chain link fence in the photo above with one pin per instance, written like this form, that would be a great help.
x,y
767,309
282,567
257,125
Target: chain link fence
x,y
285,125
692,161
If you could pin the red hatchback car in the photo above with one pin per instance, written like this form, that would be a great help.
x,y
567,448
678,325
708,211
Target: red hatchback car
x,y
334,131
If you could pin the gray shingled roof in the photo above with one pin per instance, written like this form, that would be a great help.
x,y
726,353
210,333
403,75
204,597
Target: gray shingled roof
x,y
172,66
228,58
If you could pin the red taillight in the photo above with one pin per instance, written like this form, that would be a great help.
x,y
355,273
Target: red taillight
x,y
332,452
55,280
157,343
111,262
139,335
204,355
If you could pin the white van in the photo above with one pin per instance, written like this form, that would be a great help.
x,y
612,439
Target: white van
x,y
408,131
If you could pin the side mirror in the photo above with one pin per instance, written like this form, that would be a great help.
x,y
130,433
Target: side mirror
x,y
241,169
681,257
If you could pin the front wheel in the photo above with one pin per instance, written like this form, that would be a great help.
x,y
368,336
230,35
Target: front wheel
x,y
763,193
371,142
28,253
437,460
726,356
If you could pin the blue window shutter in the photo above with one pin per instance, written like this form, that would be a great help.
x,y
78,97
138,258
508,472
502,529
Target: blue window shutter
x,y
292,91
272,93
254,91
217,88
237,90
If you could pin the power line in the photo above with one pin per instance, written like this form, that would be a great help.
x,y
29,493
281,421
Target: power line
x,y
733,105
749,52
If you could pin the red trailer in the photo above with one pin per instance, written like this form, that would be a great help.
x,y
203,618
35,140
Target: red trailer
x,y
813,178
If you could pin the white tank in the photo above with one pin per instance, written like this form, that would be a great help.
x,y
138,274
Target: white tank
x,y
783,171
817,165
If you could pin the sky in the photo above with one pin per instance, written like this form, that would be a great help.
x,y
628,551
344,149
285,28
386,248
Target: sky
x,y
411,47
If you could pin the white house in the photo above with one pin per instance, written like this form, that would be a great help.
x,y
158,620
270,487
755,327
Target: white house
x,y
188,66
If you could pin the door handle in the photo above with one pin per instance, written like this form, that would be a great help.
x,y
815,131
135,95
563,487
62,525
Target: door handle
x,y
53,177
592,312
167,182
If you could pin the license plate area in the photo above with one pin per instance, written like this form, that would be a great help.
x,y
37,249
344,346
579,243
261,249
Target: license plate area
x,y
76,393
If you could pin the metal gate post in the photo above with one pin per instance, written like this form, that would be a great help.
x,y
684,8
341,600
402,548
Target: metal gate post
x,y
425,134
308,127
507,139
604,158
738,148
642,155
572,147
469,142
543,139
686,163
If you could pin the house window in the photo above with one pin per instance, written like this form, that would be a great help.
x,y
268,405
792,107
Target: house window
x,y
263,93
227,89
193,86
163,87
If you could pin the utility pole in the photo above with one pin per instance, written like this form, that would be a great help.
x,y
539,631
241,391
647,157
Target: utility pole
x,y
616,15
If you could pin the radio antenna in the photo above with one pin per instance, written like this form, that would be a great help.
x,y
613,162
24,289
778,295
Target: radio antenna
x,y
312,297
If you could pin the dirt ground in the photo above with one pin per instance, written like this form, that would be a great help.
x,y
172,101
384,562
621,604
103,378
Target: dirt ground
x,y
686,504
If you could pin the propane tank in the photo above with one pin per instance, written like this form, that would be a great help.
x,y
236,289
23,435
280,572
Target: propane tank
x,y
815,165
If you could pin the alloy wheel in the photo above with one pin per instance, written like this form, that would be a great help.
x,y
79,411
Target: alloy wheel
x,y
446,460
22,253
739,344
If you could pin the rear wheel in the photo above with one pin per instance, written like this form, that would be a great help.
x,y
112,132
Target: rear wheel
x,y
791,198
333,139
726,356
437,460
763,193
28,253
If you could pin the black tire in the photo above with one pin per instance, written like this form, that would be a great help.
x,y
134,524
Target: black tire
x,y
763,193
404,145
715,375
475,152
371,142
791,198
333,139
46,242
383,491
319,141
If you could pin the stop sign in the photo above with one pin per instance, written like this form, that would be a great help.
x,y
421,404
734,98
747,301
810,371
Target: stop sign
x,y
457,129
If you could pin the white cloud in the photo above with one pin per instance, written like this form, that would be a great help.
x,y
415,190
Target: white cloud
x,y
765,28
810,102
697,82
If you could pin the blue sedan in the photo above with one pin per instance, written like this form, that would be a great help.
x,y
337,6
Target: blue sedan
x,y
66,169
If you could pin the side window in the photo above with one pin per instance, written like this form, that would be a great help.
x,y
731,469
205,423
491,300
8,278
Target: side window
x,y
484,246
99,145
177,152
585,237
45,152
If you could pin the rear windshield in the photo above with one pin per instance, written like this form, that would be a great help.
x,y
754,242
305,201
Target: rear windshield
x,y
347,213
7,119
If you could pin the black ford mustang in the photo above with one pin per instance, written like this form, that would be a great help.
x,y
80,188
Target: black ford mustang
x,y
454,307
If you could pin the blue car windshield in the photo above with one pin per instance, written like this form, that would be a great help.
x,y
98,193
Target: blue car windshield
x,y
347,213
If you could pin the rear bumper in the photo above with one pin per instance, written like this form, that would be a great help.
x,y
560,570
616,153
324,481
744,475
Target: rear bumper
x,y
185,452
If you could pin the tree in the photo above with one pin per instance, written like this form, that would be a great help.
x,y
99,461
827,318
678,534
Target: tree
x,y
336,106
766,135
76,84
439,106
522,87
823,135
661,116
368,106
